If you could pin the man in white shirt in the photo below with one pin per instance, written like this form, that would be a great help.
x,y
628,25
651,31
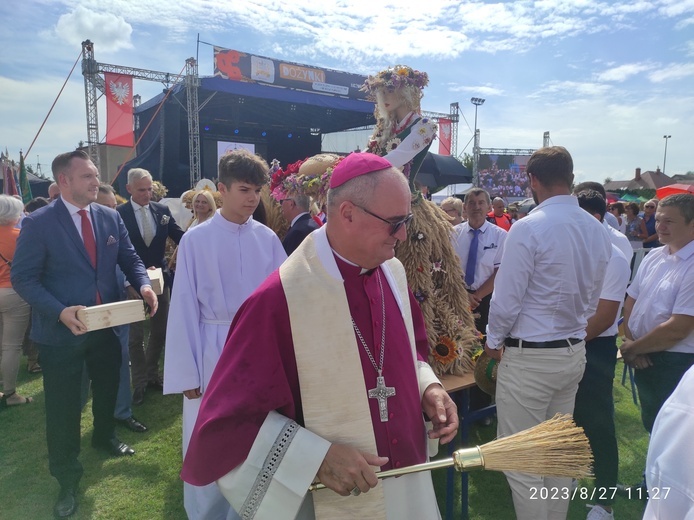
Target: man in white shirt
x,y
594,409
609,222
479,245
547,287
659,310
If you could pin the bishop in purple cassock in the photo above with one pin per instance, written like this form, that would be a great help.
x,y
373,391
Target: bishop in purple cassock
x,y
324,373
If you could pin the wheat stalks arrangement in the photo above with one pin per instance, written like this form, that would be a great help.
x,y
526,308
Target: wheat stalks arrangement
x,y
556,447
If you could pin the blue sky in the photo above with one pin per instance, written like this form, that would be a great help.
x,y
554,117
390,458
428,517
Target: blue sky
x,y
607,79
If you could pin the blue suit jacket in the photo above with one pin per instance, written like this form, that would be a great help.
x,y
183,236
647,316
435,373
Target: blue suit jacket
x,y
51,269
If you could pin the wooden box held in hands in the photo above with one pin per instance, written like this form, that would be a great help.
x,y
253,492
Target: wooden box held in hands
x,y
112,314
157,279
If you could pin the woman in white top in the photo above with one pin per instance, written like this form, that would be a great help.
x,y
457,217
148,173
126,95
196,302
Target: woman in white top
x,y
617,209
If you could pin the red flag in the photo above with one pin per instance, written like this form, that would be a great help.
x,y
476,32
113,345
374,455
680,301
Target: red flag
x,y
119,109
444,137
10,183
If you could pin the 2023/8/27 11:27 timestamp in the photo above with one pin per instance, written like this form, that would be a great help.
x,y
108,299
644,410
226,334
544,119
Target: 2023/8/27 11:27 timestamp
x,y
597,493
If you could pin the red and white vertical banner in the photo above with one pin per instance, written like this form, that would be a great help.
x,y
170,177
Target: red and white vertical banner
x,y
444,137
119,109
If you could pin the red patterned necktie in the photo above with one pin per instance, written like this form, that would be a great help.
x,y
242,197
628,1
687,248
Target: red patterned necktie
x,y
89,242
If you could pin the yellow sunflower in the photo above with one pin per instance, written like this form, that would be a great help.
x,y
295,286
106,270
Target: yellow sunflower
x,y
445,350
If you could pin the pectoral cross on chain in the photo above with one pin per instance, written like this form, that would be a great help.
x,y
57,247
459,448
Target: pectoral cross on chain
x,y
382,393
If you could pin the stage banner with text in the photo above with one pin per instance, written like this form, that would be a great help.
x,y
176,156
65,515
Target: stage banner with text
x,y
119,109
241,66
444,136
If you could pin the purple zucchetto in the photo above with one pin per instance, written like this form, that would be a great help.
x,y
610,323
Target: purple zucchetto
x,y
355,165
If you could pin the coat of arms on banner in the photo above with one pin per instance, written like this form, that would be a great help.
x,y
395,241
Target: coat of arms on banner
x,y
119,91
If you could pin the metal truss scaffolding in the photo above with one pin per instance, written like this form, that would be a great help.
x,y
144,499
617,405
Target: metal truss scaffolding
x,y
93,81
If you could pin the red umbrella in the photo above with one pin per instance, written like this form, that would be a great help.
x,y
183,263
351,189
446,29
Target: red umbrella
x,y
673,189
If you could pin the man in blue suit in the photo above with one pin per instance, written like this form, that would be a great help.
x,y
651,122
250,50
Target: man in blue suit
x,y
65,260
149,224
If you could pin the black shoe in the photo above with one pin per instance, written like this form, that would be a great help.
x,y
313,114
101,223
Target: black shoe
x,y
114,448
157,384
66,505
637,491
132,424
139,395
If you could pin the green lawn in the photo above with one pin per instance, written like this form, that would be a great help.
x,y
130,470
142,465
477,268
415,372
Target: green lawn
x,y
147,486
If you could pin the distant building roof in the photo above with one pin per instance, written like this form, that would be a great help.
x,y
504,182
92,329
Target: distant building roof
x,y
683,179
648,180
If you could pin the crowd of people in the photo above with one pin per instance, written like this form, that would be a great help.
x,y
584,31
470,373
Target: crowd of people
x,y
315,357
538,275
504,182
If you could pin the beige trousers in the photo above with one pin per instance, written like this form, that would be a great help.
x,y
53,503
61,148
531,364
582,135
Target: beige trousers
x,y
534,384
14,318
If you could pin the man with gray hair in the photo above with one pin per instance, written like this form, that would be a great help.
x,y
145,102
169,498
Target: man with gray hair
x,y
149,224
266,430
295,211
479,246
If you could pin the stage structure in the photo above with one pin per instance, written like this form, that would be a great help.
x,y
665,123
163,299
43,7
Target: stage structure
x,y
275,108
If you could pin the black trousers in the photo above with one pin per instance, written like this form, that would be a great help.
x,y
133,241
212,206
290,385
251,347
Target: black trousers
x,y
478,399
62,382
594,411
657,382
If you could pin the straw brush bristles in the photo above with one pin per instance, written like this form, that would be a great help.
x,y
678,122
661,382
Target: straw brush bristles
x,y
556,447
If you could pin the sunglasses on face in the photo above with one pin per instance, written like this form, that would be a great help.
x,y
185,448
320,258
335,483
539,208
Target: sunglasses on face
x,y
394,226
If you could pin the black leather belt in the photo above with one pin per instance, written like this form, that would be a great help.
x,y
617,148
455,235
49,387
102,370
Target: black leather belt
x,y
560,343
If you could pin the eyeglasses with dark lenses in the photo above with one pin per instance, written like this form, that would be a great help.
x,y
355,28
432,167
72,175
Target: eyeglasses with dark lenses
x,y
649,207
394,226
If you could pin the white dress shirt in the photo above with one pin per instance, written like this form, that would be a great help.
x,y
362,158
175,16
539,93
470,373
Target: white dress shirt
x,y
138,218
490,247
663,286
620,240
670,457
551,274
77,219
615,286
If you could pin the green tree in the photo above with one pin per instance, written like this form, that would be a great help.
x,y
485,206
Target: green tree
x,y
467,161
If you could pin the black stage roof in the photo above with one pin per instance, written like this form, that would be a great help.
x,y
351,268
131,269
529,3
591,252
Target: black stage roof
x,y
283,123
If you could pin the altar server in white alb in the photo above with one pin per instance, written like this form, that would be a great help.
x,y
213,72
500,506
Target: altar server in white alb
x,y
220,263
324,373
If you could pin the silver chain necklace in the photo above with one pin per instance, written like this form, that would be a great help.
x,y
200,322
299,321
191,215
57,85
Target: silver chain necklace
x,y
381,392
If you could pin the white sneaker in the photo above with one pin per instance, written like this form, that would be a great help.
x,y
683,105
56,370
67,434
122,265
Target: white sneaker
x,y
598,513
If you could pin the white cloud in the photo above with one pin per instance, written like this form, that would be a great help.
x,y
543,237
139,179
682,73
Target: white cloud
x,y
672,72
572,89
623,72
677,7
481,90
108,31
684,23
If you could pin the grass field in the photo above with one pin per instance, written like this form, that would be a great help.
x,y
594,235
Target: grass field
x,y
147,486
